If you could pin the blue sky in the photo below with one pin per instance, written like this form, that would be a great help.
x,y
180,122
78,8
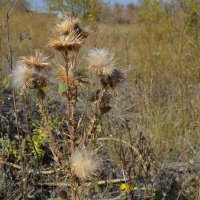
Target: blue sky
x,y
40,4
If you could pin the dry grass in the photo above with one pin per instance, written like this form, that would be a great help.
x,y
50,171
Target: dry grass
x,y
38,26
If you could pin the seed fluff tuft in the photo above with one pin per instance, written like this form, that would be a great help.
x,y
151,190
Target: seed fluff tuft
x,y
22,76
85,162
101,61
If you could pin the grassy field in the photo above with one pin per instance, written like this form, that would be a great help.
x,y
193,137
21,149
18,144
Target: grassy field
x,y
159,111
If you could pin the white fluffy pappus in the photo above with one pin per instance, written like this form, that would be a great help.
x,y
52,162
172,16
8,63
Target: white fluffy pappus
x,y
85,162
101,61
22,76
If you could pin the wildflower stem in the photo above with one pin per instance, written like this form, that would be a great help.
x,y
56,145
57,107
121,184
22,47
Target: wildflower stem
x,y
90,132
71,97
10,63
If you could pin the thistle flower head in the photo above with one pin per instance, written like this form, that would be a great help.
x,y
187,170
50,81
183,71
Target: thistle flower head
x,y
101,61
22,76
36,61
66,25
85,162
70,24
68,42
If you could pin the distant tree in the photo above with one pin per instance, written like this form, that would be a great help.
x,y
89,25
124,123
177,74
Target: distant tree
x,y
118,12
130,7
131,12
106,13
78,8
118,9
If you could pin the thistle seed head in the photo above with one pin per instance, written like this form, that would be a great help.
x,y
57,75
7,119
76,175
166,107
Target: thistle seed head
x,y
36,61
30,71
71,24
22,76
101,62
67,24
85,162
70,42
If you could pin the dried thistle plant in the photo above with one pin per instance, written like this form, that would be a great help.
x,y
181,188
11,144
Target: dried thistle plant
x,y
67,38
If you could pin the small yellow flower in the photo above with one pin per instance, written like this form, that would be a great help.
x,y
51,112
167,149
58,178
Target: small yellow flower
x,y
122,186
126,187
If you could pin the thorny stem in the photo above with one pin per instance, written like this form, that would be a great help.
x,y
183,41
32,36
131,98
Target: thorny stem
x,y
71,96
10,57
70,123
10,62
90,132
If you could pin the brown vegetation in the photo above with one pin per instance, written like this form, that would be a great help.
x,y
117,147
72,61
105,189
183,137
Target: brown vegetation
x,y
149,139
